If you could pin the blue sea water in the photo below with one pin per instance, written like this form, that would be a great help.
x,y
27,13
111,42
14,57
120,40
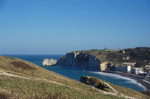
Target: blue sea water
x,y
74,73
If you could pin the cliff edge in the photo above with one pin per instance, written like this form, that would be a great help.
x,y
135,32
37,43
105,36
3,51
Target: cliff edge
x,y
83,60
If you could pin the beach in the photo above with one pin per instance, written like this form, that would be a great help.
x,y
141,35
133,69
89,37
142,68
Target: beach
x,y
132,76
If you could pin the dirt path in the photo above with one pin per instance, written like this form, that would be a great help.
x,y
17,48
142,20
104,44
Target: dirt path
x,y
12,75
33,78
116,93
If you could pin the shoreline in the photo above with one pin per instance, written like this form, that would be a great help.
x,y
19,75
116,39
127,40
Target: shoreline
x,y
138,79
131,76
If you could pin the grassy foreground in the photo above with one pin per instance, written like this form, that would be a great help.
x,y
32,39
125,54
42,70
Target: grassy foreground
x,y
24,80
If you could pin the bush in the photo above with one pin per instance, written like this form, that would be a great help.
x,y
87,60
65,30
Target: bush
x,y
94,81
140,64
3,96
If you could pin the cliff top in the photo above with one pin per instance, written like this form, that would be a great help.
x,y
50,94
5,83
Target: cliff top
x,y
141,55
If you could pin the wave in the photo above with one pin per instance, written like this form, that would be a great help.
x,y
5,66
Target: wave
x,y
115,76
111,75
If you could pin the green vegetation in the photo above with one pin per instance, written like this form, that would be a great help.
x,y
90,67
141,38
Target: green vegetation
x,y
101,84
32,81
107,56
141,55
93,81
128,91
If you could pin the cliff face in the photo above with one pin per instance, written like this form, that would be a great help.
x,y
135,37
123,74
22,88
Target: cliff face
x,y
80,60
49,62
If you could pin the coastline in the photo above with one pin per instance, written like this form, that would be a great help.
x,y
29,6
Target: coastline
x,y
131,76
138,79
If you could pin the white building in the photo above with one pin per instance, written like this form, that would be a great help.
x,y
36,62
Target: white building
x,y
128,68
137,70
123,68
129,63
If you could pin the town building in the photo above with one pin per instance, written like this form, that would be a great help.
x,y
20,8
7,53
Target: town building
x,y
137,71
147,68
123,68
126,58
129,63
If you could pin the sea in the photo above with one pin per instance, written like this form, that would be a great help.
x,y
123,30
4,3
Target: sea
x,y
75,73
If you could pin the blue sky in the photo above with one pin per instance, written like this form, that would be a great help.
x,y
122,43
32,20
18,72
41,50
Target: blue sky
x,y
60,26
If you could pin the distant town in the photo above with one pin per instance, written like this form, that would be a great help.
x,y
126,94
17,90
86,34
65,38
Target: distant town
x,y
141,70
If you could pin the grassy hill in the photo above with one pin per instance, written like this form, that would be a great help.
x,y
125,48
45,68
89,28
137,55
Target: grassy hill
x,y
141,55
23,79
107,56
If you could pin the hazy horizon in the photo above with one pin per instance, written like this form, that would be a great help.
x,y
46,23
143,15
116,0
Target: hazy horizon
x,y
61,26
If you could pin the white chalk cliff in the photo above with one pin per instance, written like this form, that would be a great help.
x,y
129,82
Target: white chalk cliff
x,y
80,60
49,62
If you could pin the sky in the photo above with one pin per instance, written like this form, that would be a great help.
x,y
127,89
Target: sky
x,y
61,26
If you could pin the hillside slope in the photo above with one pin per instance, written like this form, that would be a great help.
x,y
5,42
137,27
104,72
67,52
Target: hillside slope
x,y
22,79
141,55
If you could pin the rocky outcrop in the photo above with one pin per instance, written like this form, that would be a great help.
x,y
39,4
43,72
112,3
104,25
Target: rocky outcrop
x,y
49,62
80,60
104,66
95,82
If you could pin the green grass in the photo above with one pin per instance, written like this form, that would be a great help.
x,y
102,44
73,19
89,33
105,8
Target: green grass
x,y
103,56
41,89
45,84
129,92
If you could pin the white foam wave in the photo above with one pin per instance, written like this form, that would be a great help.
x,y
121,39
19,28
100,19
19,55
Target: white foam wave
x,y
111,75
115,76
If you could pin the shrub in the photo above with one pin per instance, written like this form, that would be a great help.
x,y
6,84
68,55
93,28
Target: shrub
x,y
3,96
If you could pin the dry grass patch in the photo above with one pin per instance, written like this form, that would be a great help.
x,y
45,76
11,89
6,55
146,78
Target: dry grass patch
x,y
22,65
129,92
